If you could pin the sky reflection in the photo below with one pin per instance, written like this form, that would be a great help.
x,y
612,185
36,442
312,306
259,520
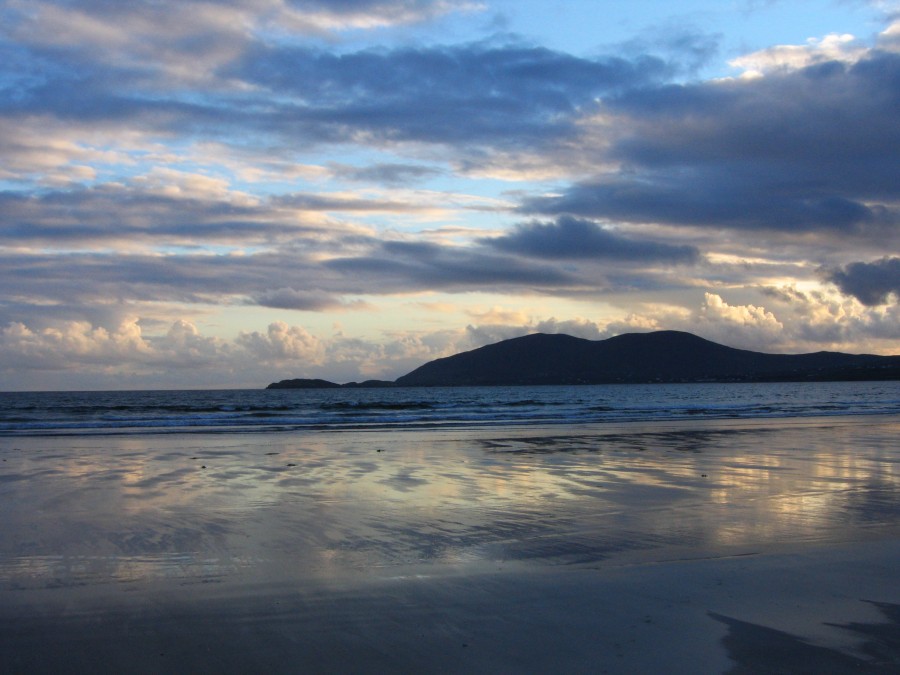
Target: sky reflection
x,y
319,505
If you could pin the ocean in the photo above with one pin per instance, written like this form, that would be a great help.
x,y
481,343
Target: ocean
x,y
231,411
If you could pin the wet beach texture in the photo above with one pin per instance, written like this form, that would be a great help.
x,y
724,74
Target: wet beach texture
x,y
703,546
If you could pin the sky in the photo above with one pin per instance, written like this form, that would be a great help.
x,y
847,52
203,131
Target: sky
x,y
225,194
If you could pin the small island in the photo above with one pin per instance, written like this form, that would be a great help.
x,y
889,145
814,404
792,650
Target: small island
x,y
301,383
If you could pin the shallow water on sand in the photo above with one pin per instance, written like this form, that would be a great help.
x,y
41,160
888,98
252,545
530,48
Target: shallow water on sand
x,y
310,506
676,547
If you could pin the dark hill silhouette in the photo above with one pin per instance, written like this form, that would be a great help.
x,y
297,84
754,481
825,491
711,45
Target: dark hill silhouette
x,y
663,356
301,383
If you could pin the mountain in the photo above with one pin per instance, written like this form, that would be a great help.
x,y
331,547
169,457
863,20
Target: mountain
x,y
663,356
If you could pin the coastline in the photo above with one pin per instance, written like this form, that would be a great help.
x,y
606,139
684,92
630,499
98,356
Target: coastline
x,y
620,547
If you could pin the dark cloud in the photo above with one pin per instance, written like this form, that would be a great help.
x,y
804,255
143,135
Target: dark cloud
x,y
799,151
871,283
291,298
177,249
91,277
84,217
386,174
326,202
401,266
470,94
693,197
304,282
573,238
509,96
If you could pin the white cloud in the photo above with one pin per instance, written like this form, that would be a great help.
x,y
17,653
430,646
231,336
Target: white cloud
x,y
321,18
498,315
43,147
183,344
283,343
71,345
832,47
737,325
825,319
889,39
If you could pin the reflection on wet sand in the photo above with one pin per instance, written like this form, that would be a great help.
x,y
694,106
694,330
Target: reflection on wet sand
x,y
688,547
97,510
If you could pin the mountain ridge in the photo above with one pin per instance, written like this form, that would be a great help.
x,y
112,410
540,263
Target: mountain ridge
x,y
630,358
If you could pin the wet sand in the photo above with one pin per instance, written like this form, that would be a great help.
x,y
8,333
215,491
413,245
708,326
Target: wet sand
x,y
760,546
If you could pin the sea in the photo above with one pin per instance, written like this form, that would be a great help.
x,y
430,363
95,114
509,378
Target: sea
x,y
264,410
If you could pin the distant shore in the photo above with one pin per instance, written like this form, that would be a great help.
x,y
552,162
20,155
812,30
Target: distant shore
x,y
658,357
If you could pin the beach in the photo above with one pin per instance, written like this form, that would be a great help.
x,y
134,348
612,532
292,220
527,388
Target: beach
x,y
753,545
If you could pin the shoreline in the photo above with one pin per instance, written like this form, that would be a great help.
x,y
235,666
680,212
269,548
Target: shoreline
x,y
662,546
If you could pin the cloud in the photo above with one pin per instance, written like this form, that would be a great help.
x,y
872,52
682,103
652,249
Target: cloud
x,y
177,237
347,202
165,208
79,352
780,153
183,345
76,345
399,266
472,94
685,46
571,238
326,15
386,174
889,39
187,40
271,101
282,342
497,315
832,47
872,283
302,300
168,162
70,344
827,319
583,328
742,323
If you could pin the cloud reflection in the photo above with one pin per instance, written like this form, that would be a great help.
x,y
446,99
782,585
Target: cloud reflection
x,y
337,504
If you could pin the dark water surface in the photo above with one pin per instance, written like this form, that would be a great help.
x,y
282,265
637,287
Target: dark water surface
x,y
278,410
